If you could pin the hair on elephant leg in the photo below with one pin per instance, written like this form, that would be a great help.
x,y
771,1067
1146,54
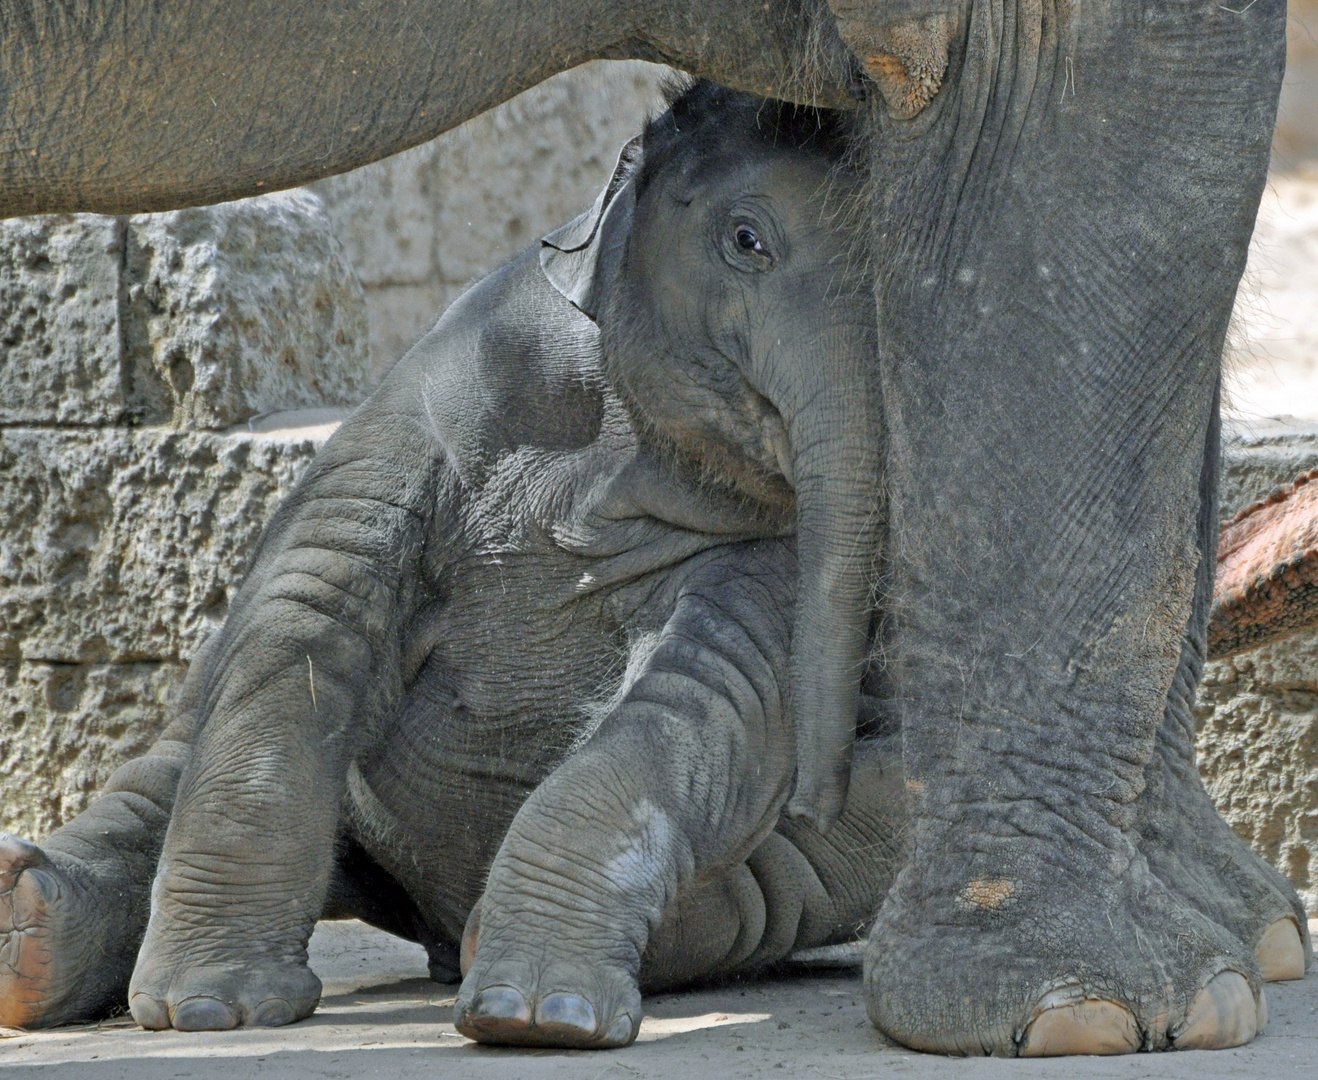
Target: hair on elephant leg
x,y
685,778
1190,849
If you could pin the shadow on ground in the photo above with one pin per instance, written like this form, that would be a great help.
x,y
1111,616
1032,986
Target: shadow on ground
x,y
380,1016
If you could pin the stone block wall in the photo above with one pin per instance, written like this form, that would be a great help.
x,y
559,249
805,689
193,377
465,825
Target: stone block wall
x,y
136,356
1258,710
422,226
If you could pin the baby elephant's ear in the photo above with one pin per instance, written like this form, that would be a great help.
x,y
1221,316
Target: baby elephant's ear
x,y
572,256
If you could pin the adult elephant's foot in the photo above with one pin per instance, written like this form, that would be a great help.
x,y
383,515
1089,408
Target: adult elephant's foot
x,y
208,977
1061,964
57,948
1194,853
524,988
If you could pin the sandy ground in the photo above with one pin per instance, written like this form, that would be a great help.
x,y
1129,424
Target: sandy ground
x,y
381,1016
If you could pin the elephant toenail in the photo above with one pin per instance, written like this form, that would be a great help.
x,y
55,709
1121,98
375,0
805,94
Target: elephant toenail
x,y
203,1014
499,1003
272,1012
149,1012
1223,1014
623,1030
1280,952
566,1011
1084,1026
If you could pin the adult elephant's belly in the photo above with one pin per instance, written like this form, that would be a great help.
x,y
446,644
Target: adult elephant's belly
x,y
512,682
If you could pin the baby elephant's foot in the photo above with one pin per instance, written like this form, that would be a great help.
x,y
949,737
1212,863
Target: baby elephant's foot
x,y
200,989
56,964
525,993
31,895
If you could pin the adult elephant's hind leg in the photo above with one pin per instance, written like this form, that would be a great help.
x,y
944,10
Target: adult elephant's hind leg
x,y
73,910
1189,848
684,780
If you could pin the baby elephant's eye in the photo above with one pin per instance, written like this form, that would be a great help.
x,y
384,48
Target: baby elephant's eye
x,y
747,240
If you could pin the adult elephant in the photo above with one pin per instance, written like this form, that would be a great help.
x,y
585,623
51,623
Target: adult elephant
x,y
1063,195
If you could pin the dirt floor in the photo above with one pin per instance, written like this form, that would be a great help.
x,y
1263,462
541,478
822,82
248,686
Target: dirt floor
x,y
380,1016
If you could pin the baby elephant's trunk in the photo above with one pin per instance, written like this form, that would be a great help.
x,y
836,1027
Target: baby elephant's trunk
x,y
837,453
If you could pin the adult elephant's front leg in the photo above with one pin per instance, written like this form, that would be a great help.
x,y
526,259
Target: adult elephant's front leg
x,y
1061,231
685,778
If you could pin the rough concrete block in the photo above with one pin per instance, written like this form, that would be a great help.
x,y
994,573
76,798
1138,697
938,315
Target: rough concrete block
x,y
126,545
1258,710
1258,753
60,339
241,309
200,318
64,728
1260,456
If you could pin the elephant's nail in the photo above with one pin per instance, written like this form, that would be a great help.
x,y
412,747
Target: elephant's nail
x,y
272,1012
203,1014
499,1003
566,1011
1224,1014
149,1012
623,1030
1280,952
1087,1026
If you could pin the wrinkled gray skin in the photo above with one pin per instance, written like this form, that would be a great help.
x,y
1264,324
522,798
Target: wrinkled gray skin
x,y
541,588
1062,200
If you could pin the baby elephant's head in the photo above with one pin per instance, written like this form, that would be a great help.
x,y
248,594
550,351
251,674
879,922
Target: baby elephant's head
x,y
738,324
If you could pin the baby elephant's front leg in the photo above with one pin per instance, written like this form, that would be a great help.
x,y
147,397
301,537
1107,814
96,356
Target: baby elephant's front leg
x,y
686,777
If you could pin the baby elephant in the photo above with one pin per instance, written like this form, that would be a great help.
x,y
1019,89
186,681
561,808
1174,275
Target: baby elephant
x,y
524,666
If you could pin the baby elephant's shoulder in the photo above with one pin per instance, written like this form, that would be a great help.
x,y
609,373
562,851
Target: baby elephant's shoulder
x,y
510,365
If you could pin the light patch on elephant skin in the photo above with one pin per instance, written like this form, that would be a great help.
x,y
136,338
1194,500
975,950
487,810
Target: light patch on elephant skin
x,y
987,894
906,58
642,860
